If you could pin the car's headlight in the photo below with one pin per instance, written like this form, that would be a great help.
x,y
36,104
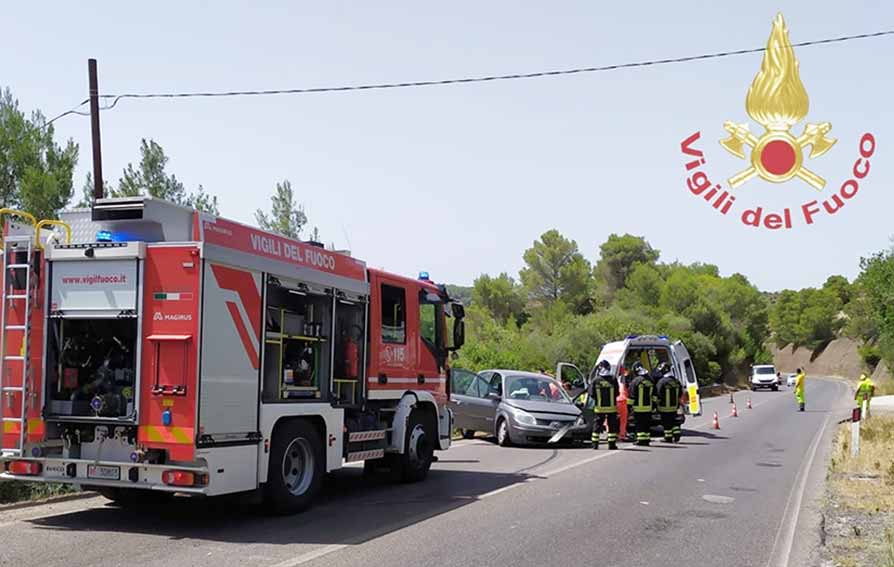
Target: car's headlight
x,y
523,417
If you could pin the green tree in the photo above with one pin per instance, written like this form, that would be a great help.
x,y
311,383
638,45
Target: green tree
x,y
150,177
35,171
501,295
285,217
820,319
556,270
785,318
617,257
876,281
643,285
840,287
680,291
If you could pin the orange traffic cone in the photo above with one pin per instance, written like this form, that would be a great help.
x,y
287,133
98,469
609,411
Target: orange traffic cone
x,y
716,423
749,404
735,412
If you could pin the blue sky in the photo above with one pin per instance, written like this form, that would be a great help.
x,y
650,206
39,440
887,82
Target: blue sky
x,y
459,180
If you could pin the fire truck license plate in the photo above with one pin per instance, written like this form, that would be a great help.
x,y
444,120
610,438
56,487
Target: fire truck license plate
x,y
105,473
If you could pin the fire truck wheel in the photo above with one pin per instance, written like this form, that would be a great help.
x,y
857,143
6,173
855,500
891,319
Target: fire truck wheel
x,y
419,450
127,497
295,472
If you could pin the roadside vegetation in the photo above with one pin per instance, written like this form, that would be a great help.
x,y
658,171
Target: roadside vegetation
x,y
18,491
858,515
560,307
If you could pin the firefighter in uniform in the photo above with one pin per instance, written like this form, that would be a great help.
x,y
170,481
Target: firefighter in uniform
x,y
669,392
641,391
865,391
604,391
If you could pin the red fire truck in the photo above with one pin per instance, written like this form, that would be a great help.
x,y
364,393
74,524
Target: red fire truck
x,y
149,349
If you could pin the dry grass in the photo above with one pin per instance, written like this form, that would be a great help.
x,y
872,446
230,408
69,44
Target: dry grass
x,y
867,480
860,512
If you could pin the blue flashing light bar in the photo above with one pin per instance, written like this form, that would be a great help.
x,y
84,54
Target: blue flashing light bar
x,y
423,276
104,236
632,336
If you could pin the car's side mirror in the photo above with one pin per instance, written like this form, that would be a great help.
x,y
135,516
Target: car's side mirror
x,y
495,396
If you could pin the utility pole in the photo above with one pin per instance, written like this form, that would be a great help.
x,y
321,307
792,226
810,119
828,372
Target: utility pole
x,y
98,189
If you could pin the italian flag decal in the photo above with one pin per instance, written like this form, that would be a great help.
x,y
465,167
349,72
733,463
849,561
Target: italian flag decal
x,y
168,296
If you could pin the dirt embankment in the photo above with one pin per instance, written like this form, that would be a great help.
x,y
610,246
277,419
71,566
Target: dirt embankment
x,y
839,358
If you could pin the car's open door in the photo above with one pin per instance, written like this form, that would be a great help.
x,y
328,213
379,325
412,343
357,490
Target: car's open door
x,y
687,371
571,378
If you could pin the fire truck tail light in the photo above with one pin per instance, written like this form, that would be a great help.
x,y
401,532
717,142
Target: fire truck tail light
x,y
27,468
183,478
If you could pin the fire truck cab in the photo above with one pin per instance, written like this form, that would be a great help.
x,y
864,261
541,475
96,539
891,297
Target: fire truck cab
x,y
159,350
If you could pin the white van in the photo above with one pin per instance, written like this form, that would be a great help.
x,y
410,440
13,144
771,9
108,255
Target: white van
x,y
649,350
764,376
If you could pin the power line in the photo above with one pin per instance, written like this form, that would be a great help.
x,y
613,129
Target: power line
x,y
463,80
67,112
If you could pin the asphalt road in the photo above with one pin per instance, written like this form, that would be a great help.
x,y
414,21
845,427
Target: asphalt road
x,y
727,497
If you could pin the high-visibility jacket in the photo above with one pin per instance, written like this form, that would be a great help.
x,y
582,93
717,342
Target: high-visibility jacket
x,y
641,391
604,392
669,391
865,389
799,387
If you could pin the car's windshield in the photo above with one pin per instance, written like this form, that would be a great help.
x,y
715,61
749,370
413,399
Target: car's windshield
x,y
764,370
535,388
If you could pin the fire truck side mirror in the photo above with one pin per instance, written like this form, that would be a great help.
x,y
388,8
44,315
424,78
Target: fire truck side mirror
x,y
459,333
458,310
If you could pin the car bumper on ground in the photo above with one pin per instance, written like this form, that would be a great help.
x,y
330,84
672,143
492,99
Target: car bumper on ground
x,y
524,433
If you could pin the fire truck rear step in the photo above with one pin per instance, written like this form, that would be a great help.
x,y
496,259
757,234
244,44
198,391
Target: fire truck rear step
x,y
362,436
365,455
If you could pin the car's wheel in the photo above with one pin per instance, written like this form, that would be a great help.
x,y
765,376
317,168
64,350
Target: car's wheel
x,y
775,388
419,448
467,433
296,468
132,497
503,438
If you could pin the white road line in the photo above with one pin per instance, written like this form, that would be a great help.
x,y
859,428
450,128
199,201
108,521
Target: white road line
x,y
502,489
785,536
311,555
588,460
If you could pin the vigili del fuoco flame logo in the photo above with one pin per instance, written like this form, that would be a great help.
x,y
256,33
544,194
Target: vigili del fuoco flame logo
x,y
778,101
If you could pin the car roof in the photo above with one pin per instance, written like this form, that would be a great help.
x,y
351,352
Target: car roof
x,y
764,366
505,371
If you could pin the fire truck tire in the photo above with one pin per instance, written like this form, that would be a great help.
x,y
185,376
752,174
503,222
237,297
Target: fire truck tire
x,y
296,469
132,497
419,448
